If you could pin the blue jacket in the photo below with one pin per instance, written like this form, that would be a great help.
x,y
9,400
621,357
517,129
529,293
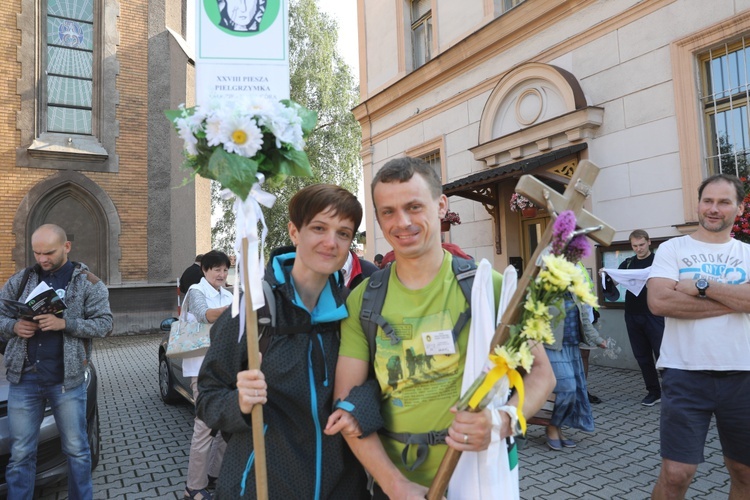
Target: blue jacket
x,y
299,364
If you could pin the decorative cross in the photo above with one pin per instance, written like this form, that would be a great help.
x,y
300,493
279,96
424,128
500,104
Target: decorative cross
x,y
579,188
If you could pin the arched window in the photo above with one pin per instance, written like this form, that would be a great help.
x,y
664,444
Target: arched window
x,y
67,86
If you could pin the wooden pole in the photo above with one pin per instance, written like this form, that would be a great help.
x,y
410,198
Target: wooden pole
x,y
253,361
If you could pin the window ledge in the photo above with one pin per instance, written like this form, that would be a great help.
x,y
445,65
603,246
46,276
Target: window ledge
x,y
68,147
686,228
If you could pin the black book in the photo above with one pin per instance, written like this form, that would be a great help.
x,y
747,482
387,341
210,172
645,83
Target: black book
x,y
47,302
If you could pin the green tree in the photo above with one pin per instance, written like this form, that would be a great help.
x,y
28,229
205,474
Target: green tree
x,y
321,81
222,229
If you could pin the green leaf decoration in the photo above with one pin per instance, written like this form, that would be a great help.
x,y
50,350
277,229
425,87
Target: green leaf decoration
x,y
236,172
300,162
172,115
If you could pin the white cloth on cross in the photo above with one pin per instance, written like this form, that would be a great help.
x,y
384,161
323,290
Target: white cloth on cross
x,y
486,474
632,279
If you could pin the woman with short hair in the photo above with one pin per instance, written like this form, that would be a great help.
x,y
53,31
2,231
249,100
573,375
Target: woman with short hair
x,y
205,301
296,379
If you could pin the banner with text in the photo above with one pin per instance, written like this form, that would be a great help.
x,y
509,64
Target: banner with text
x,y
242,49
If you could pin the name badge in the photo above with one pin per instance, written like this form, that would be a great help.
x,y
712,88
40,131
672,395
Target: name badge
x,y
440,342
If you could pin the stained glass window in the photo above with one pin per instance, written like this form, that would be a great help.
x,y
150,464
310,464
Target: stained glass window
x,y
70,65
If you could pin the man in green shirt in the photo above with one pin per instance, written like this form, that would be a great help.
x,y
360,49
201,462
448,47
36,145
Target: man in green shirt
x,y
422,304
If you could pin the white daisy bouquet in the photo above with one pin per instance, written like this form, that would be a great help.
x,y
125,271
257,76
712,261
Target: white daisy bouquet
x,y
558,275
231,142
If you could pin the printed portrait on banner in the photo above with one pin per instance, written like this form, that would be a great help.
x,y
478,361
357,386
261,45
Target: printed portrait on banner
x,y
241,15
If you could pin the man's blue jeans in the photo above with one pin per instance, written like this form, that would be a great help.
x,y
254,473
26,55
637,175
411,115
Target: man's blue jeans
x,y
26,402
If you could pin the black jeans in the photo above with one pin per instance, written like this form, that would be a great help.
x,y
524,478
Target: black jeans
x,y
645,332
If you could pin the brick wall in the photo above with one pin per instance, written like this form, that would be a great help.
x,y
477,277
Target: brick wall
x,y
15,182
127,188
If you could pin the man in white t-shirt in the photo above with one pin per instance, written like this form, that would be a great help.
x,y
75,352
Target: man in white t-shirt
x,y
701,284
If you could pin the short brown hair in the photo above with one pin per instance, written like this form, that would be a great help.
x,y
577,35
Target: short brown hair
x,y
403,169
312,200
639,233
731,179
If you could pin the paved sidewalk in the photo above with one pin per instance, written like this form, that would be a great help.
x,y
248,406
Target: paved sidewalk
x,y
620,459
145,442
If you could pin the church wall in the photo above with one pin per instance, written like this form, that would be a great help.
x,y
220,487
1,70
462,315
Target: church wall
x,y
129,186
140,297
15,182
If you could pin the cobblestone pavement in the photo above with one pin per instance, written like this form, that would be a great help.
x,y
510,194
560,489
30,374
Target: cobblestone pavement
x,y
145,442
620,459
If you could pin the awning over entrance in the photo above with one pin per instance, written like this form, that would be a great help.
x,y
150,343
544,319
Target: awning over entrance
x,y
478,186
484,187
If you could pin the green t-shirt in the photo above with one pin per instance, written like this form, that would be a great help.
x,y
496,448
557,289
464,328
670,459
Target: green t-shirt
x,y
418,390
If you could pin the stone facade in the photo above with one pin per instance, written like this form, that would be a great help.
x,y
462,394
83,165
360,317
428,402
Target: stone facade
x,y
613,82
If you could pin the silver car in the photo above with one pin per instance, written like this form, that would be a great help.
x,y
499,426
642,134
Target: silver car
x,y
173,386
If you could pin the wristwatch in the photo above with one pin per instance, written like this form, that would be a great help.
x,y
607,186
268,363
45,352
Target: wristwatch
x,y
702,286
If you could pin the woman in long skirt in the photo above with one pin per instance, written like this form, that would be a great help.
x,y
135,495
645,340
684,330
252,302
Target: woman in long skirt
x,y
572,408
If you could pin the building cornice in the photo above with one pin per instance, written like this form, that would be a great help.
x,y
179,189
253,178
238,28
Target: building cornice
x,y
504,33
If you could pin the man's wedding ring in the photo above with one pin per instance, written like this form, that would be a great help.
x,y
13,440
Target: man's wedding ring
x,y
466,439
256,393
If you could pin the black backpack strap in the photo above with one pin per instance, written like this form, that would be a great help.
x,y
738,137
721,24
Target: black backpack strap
x,y
266,318
374,297
372,304
464,270
267,326
24,281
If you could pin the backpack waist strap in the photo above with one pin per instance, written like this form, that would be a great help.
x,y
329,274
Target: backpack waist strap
x,y
422,441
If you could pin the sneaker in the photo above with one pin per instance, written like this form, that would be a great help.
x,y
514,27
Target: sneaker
x,y
651,399
567,443
211,482
593,399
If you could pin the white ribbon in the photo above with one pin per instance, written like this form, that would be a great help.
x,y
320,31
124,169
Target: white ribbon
x,y
248,213
510,283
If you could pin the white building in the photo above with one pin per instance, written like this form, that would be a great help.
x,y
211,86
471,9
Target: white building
x,y
653,92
